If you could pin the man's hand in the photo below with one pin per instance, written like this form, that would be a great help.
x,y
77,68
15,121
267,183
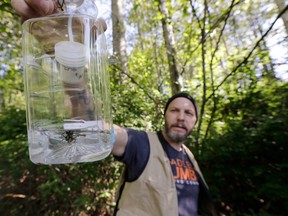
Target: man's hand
x,y
34,8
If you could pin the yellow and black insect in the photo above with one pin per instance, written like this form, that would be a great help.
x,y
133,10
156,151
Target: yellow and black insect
x,y
69,136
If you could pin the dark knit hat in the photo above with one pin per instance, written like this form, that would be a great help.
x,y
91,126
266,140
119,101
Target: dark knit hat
x,y
185,95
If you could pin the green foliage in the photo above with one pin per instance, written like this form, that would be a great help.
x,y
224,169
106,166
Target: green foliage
x,y
11,85
243,156
29,189
135,103
12,124
247,165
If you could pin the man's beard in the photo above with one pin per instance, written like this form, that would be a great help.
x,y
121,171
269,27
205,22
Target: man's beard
x,y
175,137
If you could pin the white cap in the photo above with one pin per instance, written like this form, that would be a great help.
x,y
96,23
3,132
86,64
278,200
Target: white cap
x,y
72,58
70,54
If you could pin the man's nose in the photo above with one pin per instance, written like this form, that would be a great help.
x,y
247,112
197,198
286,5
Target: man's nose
x,y
181,115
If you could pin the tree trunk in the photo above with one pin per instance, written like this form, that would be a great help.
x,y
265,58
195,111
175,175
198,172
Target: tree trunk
x,y
176,81
119,41
1,100
281,6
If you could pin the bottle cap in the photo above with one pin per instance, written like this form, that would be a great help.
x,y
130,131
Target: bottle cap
x,y
72,58
70,54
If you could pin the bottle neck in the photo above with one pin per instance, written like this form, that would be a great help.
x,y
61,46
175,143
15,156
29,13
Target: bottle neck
x,y
87,7
70,3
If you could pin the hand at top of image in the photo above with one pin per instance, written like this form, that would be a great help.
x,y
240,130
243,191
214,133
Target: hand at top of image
x,y
34,8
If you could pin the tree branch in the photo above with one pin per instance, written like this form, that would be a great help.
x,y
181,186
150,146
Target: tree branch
x,y
135,82
245,60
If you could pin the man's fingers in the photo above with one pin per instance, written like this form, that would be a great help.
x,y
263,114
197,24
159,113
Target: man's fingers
x,y
33,8
23,9
42,7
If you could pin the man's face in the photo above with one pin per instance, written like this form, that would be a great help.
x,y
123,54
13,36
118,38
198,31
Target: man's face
x,y
180,119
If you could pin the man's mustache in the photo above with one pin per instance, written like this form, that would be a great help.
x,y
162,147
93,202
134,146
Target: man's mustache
x,y
179,126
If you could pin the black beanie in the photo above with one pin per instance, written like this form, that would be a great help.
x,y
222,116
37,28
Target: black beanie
x,y
185,95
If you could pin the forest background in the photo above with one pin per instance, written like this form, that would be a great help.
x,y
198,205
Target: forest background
x,y
233,58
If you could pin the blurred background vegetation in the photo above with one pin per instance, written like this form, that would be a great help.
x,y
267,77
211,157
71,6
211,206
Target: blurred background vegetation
x,y
233,58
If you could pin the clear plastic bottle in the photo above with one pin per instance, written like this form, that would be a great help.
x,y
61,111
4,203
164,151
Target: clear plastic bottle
x,y
67,86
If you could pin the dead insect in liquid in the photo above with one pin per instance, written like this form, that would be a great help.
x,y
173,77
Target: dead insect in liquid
x,y
70,136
